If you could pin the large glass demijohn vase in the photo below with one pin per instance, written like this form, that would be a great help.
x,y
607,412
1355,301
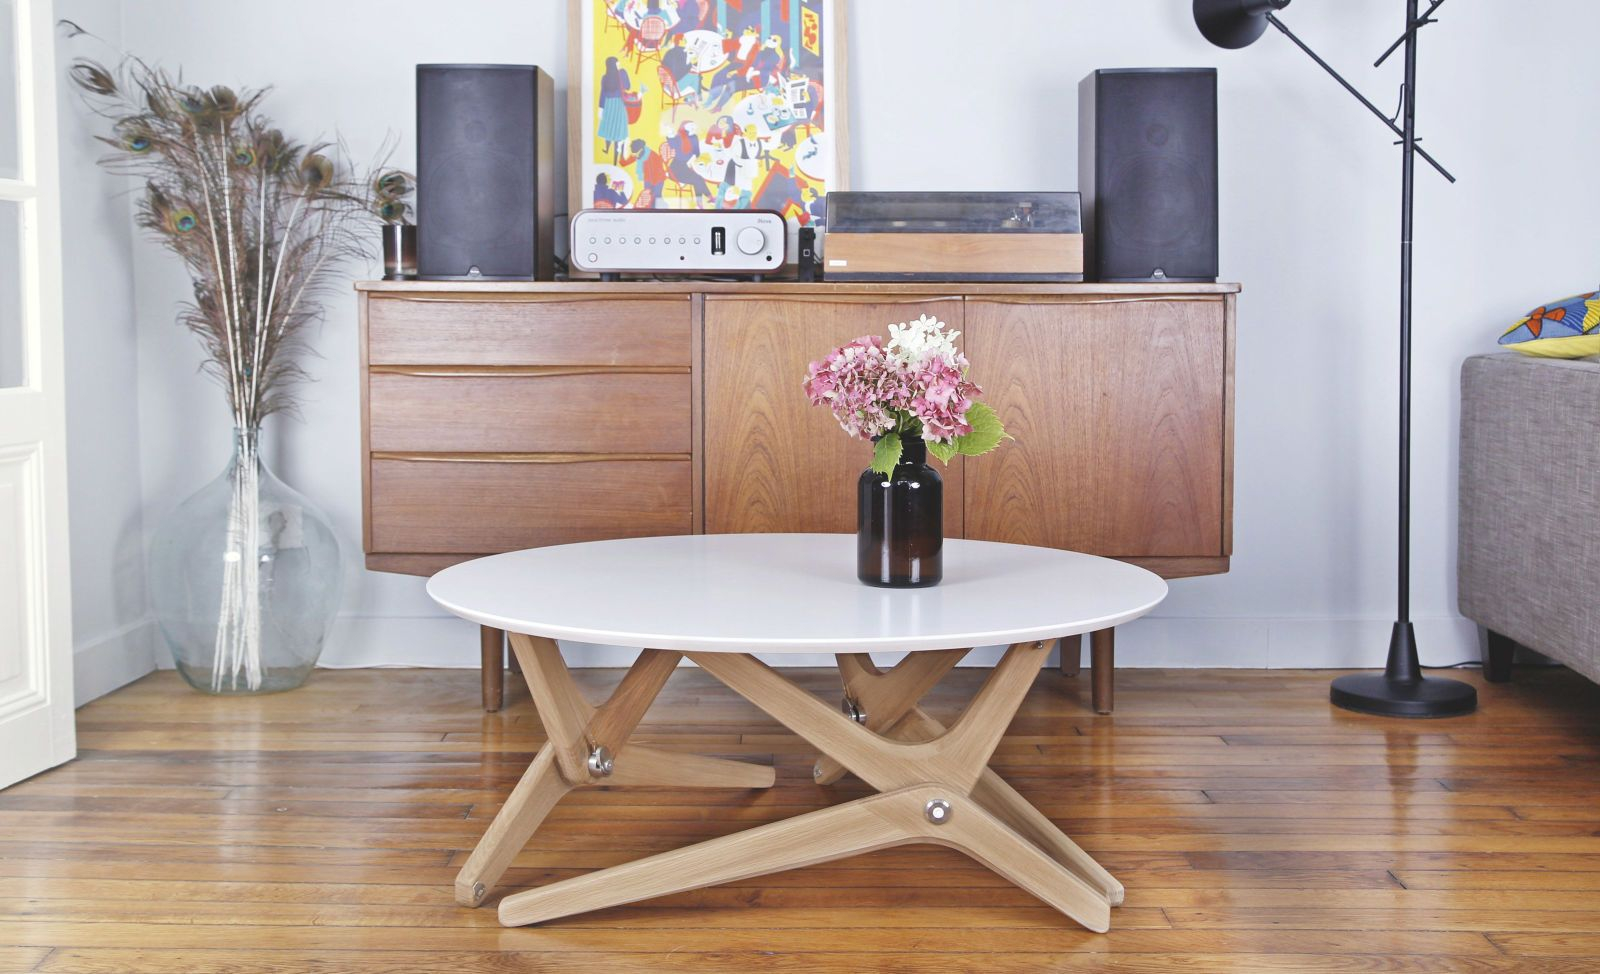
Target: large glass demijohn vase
x,y
245,577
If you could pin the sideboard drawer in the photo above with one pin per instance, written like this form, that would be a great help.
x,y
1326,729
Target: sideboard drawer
x,y
587,331
443,506
543,410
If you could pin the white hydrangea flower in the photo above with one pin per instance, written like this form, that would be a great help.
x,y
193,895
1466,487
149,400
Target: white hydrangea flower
x,y
914,341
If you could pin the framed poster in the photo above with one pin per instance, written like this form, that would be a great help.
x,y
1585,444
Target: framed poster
x,y
707,104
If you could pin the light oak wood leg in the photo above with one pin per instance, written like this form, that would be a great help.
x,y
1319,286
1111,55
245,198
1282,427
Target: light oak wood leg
x,y
977,832
899,817
492,652
885,697
958,757
530,801
670,769
1009,806
1102,653
575,730
934,787
861,826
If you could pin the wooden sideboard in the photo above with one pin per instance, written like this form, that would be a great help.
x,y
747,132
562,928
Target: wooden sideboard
x,y
506,415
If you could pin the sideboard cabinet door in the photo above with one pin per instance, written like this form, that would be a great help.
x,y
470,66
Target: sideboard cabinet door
x,y
773,462
1117,407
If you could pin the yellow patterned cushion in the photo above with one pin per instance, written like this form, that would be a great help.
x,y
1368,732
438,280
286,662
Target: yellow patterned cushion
x,y
1569,328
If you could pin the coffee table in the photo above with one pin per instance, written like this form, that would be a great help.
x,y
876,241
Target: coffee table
x,y
719,600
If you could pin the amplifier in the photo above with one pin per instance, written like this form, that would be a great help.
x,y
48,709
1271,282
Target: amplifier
x,y
953,237
611,242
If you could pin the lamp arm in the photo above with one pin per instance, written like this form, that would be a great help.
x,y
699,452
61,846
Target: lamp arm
x,y
1424,20
1274,21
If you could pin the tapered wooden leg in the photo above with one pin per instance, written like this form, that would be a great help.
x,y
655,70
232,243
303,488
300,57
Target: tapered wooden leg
x,y
958,757
976,831
1071,654
1008,805
492,647
884,697
530,801
669,769
1498,653
857,827
580,739
866,825
1102,654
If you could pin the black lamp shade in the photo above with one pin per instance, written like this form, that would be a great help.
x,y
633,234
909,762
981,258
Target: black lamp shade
x,y
1234,23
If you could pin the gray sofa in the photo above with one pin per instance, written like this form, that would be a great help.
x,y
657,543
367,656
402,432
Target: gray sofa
x,y
1530,508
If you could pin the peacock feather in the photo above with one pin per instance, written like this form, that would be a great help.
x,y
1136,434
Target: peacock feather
x,y
389,190
260,221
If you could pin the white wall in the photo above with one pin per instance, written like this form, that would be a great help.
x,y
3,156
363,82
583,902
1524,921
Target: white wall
x,y
952,95
112,633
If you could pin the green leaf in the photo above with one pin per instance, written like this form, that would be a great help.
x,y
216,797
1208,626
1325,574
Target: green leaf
x,y
987,432
944,451
886,453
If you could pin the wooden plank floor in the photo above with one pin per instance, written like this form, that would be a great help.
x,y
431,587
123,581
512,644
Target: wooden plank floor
x,y
1256,829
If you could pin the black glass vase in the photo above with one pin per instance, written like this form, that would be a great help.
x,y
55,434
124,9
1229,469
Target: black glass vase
x,y
900,522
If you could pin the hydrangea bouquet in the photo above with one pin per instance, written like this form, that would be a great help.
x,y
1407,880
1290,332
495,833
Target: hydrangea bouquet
x,y
914,384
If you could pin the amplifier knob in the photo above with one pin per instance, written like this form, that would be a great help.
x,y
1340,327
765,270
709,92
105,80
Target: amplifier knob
x,y
751,240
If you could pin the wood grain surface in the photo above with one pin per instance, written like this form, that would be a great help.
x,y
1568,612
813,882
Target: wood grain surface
x,y
774,462
621,412
955,253
479,505
1255,828
418,329
1117,413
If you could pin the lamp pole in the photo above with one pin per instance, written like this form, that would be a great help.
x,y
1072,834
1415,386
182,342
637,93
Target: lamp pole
x,y
1408,139
1401,690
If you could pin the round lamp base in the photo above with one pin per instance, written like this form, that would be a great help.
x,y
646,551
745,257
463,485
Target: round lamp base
x,y
1377,694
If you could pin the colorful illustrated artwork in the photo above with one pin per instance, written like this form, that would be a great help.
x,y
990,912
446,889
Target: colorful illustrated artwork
x,y
708,104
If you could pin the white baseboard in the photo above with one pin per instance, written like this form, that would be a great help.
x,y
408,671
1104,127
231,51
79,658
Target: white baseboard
x,y
1253,643
112,660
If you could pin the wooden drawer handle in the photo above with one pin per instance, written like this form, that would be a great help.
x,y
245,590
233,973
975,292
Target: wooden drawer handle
x,y
525,371
522,457
1075,299
487,292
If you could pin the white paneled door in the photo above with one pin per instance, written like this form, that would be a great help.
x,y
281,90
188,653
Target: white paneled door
x,y
35,614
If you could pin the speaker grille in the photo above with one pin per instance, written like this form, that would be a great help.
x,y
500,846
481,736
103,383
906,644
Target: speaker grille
x,y
1149,156
478,197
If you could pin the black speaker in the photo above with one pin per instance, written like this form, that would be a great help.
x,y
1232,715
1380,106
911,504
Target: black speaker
x,y
1147,170
485,171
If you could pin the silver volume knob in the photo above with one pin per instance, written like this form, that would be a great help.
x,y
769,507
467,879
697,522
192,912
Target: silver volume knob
x,y
751,240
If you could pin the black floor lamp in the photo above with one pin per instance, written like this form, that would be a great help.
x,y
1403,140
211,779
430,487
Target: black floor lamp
x,y
1401,690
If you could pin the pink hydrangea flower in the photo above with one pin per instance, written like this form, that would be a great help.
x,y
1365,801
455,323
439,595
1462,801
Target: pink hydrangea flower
x,y
915,384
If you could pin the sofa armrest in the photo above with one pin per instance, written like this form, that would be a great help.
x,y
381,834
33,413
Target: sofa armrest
x,y
1530,503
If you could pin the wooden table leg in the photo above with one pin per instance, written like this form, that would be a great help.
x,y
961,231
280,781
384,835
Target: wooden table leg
x,y
936,790
492,647
1102,653
1007,804
1071,654
889,702
586,746
881,698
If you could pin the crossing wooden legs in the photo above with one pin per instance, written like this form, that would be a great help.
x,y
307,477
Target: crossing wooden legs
x,y
587,745
934,787
881,698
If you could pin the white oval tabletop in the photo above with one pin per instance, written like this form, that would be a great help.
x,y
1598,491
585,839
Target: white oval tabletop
x,y
790,593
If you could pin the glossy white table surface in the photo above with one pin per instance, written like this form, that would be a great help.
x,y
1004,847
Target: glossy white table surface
x,y
790,593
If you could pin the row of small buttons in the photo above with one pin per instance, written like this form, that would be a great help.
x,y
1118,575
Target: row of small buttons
x,y
640,240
